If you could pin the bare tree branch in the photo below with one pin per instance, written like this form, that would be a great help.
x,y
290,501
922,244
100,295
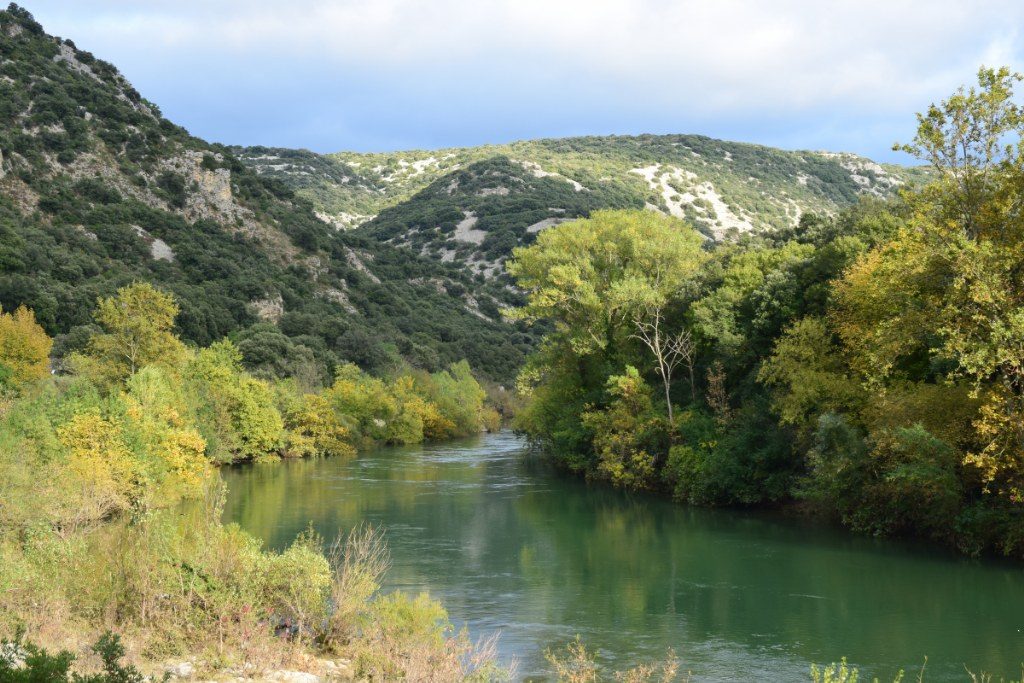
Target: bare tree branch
x,y
669,350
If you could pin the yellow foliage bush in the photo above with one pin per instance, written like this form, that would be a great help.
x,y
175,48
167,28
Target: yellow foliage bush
x,y
24,347
100,461
315,429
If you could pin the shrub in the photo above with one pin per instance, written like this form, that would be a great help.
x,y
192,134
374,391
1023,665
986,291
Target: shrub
x,y
628,434
23,662
901,480
314,428
24,348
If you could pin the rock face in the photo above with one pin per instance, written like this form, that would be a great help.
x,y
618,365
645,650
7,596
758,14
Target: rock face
x,y
209,195
271,308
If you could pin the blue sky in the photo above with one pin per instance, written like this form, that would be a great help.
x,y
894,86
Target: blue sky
x,y
372,75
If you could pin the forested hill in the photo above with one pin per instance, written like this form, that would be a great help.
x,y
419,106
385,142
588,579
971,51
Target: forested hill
x,y
473,205
98,189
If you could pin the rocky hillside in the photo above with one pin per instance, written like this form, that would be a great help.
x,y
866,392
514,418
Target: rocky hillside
x,y
473,205
98,189
307,260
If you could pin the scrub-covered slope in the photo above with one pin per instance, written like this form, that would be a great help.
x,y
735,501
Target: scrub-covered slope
x,y
473,205
97,189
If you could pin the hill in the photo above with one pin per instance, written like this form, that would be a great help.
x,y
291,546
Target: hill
x,y
471,206
98,189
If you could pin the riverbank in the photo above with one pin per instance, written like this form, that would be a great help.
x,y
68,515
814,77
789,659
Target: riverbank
x,y
199,599
110,501
773,368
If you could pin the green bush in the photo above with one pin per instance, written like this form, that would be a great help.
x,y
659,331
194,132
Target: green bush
x,y
23,662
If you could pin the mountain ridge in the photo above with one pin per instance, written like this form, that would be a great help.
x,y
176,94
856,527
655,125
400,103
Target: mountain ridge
x,y
379,171
722,188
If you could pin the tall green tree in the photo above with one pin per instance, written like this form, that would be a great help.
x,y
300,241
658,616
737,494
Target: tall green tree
x,y
592,276
971,227
606,283
138,330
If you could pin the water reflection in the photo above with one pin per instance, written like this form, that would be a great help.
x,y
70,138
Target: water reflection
x,y
509,545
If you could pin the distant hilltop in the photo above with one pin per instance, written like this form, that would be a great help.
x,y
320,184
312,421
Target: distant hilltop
x,y
472,205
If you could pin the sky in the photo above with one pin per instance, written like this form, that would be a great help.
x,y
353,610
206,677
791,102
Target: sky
x,y
382,75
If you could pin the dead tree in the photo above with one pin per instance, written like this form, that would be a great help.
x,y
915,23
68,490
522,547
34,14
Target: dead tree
x,y
669,350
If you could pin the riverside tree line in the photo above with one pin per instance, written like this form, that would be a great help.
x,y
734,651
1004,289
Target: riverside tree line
x,y
869,364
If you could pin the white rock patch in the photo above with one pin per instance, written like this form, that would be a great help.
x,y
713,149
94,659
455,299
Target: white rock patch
x,y
339,297
879,185
720,215
67,54
158,249
659,180
546,223
343,220
269,308
488,191
465,232
418,167
356,262
727,219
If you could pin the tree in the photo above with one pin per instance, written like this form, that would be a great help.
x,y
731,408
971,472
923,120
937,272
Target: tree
x,y
970,226
591,276
459,399
162,435
603,282
237,414
363,399
669,350
24,348
969,139
138,328
809,375
315,428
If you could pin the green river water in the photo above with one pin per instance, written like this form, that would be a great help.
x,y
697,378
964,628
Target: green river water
x,y
510,546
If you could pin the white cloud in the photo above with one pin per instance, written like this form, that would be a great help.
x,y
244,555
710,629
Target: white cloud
x,y
716,58
782,54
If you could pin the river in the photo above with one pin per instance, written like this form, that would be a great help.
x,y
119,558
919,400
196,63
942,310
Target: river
x,y
510,546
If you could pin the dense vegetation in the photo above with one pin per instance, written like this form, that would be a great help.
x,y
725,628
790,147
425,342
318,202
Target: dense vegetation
x,y
868,364
98,190
501,198
94,466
